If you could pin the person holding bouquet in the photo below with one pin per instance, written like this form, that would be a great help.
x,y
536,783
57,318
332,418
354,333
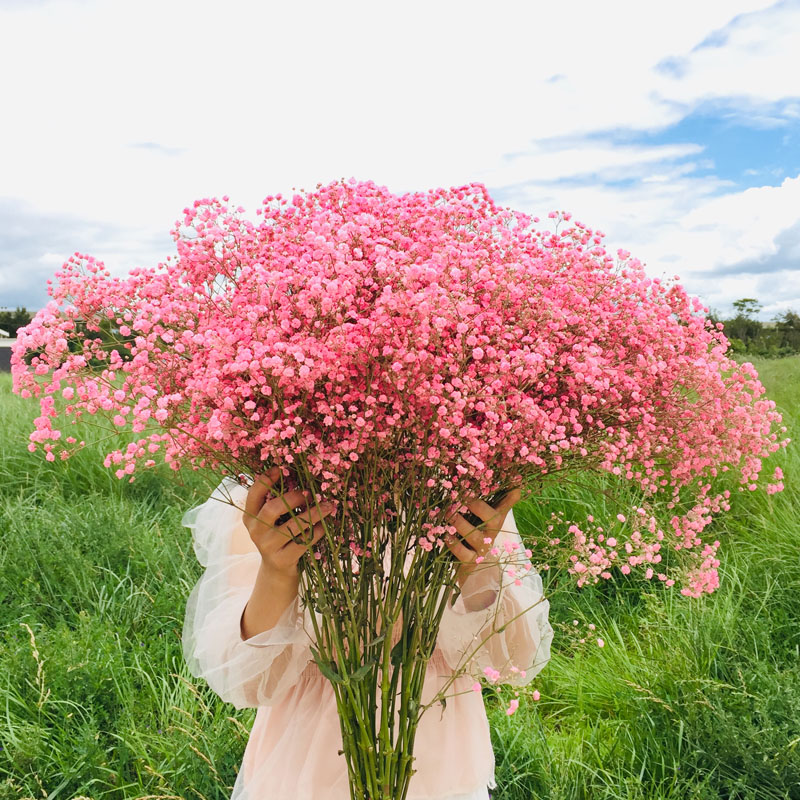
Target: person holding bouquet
x,y
247,635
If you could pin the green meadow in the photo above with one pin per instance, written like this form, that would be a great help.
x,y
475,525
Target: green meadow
x,y
689,699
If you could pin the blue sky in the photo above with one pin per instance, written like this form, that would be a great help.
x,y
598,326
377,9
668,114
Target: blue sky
x,y
744,150
673,127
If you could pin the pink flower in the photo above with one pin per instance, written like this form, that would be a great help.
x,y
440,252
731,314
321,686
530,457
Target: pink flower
x,y
536,695
491,674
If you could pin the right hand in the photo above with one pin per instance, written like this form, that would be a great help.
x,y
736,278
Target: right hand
x,y
281,547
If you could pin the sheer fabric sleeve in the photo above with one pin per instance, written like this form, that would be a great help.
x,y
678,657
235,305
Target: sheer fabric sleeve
x,y
513,620
246,672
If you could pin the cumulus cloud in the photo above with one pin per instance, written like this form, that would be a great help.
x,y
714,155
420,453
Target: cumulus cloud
x,y
753,57
783,256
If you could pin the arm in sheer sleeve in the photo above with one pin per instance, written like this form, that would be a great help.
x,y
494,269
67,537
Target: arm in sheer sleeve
x,y
246,672
513,620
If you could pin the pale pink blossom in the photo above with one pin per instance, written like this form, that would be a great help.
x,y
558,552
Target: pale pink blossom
x,y
491,674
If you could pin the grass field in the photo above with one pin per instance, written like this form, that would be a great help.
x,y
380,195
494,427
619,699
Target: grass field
x,y
694,699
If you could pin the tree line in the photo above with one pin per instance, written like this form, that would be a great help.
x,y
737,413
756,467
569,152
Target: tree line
x,y
751,336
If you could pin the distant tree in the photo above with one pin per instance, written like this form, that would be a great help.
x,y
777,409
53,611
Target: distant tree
x,y
743,326
787,329
749,336
10,321
747,307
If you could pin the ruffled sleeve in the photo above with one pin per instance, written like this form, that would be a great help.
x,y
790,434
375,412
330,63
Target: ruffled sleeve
x,y
246,672
513,620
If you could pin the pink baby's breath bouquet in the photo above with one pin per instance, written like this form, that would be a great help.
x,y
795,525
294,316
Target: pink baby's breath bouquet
x,y
398,354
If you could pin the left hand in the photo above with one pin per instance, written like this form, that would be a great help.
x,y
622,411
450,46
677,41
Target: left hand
x,y
468,544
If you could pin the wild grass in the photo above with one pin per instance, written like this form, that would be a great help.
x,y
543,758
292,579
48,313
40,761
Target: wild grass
x,y
689,698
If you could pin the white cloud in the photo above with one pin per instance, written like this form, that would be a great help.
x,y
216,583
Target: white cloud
x,y
271,94
753,58
557,160
747,223
53,259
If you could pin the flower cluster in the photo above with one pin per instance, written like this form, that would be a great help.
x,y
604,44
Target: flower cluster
x,y
773,488
592,628
365,336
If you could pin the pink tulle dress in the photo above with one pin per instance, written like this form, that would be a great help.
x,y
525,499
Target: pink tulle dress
x,y
292,750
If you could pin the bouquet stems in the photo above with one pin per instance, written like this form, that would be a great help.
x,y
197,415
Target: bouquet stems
x,y
355,648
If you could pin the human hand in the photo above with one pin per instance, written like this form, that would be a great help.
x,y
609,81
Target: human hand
x,y
282,545
470,542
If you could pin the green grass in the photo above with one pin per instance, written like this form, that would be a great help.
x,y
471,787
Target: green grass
x,y
690,698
